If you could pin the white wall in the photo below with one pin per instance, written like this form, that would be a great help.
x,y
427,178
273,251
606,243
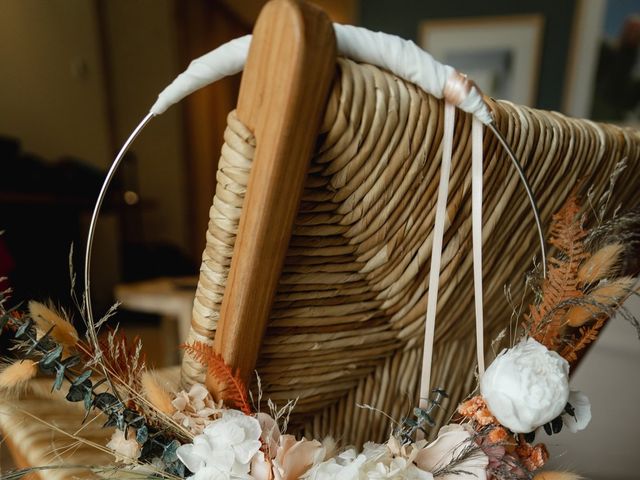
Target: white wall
x,y
608,448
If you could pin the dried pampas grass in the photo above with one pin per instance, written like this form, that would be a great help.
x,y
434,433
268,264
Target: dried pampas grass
x,y
156,394
16,376
46,317
600,301
602,264
557,476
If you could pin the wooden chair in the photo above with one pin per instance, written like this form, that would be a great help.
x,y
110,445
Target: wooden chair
x,y
319,239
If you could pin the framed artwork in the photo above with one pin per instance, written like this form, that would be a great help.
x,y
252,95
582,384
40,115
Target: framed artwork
x,y
501,54
603,71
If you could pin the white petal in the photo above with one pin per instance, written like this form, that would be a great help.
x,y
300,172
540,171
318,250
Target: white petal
x,y
211,473
246,450
192,461
582,408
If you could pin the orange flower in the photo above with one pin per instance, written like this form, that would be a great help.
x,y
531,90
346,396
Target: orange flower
x,y
484,417
534,457
476,409
498,435
470,407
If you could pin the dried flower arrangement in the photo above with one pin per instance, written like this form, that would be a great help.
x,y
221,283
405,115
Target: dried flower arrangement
x,y
160,433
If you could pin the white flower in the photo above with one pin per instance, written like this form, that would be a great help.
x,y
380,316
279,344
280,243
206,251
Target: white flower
x,y
398,468
226,447
349,465
582,412
452,440
526,386
195,409
345,466
295,457
270,433
127,450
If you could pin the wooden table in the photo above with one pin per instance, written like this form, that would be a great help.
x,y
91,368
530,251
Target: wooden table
x,y
171,298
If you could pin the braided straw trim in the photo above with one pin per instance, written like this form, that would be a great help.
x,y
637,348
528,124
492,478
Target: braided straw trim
x,y
347,323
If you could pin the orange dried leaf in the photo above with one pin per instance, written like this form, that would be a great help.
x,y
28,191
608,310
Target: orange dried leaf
x,y
546,320
234,391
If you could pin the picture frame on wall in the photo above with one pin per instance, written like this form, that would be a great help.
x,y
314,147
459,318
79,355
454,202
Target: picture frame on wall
x,y
500,53
603,68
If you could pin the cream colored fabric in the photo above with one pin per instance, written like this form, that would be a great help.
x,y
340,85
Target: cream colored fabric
x,y
346,327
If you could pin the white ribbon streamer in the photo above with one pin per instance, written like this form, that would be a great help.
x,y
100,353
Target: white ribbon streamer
x,y
436,254
476,225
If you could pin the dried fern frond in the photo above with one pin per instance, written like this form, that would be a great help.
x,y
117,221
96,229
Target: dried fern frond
x,y
156,394
561,284
47,317
15,377
122,358
233,389
585,336
604,263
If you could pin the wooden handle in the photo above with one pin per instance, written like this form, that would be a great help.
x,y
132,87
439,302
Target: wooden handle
x,y
283,94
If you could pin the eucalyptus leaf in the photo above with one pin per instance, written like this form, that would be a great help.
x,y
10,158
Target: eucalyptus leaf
x,y
111,422
142,435
120,423
82,377
132,418
106,401
427,418
169,455
57,384
24,328
88,399
4,319
50,358
71,361
76,393
177,468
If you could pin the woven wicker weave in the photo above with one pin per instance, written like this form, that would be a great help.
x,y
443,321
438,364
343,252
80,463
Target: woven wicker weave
x,y
346,326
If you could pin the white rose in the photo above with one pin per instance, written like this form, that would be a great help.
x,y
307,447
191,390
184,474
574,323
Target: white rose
x,y
226,447
526,386
349,465
398,468
346,466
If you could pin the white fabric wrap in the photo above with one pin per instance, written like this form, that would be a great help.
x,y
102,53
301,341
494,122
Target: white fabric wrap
x,y
224,61
401,57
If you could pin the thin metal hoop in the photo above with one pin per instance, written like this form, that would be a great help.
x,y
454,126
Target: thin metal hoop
x,y
91,329
532,200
